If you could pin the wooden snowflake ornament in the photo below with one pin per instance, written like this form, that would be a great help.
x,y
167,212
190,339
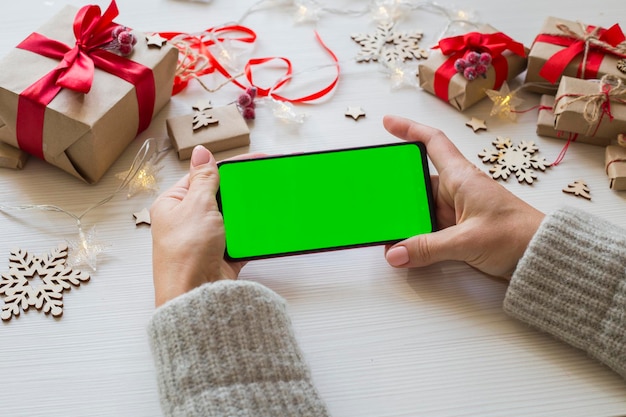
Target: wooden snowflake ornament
x,y
387,46
55,275
508,159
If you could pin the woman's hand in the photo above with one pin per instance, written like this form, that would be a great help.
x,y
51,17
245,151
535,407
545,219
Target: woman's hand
x,y
188,232
480,222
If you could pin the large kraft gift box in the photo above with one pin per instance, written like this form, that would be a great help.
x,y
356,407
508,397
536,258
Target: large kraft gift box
x,y
615,164
560,48
595,108
546,125
438,75
82,133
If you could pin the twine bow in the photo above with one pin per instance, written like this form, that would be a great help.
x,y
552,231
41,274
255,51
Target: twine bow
x,y
597,105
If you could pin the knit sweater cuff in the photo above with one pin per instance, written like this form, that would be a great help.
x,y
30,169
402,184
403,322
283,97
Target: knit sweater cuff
x,y
227,348
571,283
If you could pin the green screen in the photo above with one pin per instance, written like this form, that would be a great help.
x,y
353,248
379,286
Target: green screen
x,y
328,200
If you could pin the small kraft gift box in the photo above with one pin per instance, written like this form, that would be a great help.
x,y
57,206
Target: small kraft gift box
x,y
546,121
11,157
217,128
462,68
74,96
595,108
615,165
573,49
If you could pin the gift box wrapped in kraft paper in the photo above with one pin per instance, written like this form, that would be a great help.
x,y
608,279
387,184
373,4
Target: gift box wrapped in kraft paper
x,y
461,68
11,157
573,49
546,125
595,108
225,129
73,100
615,164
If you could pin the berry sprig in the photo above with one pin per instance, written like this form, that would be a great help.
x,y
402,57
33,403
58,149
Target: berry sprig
x,y
123,41
246,103
474,64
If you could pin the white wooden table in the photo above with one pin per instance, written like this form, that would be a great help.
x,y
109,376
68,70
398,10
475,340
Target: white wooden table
x,y
380,341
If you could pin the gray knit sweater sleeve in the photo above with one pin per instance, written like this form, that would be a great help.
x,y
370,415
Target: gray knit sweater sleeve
x,y
571,283
228,349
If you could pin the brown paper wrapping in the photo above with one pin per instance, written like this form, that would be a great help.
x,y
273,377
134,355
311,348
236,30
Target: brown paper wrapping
x,y
568,110
540,52
11,157
463,93
615,164
83,133
231,131
546,125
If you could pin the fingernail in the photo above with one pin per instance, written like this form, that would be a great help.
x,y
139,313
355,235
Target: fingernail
x,y
398,256
200,156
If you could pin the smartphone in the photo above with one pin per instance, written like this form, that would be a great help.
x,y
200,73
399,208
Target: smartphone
x,y
328,200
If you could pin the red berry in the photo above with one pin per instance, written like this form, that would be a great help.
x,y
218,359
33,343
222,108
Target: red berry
x,y
470,73
485,58
473,57
125,49
244,100
125,38
481,69
460,65
248,113
116,31
251,91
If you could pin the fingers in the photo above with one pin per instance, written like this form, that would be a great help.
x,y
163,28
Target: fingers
x,y
440,149
426,249
203,178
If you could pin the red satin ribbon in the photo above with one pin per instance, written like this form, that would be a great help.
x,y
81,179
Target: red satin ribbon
x,y
555,66
456,47
76,71
202,43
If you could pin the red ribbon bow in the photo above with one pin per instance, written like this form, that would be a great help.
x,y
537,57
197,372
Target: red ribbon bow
x,y
494,43
456,47
92,30
555,66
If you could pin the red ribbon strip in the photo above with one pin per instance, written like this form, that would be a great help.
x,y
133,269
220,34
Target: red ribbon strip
x,y
202,43
556,65
76,71
456,47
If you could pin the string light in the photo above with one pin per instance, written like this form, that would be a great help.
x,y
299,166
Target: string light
x,y
285,112
86,247
385,11
505,102
401,75
306,11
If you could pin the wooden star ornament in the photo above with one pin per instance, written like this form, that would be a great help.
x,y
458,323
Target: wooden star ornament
x,y
155,39
355,112
476,124
142,217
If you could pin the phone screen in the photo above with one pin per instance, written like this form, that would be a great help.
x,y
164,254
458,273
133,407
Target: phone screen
x,y
310,202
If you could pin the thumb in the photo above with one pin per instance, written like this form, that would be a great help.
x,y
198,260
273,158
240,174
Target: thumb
x,y
426,249
203,175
